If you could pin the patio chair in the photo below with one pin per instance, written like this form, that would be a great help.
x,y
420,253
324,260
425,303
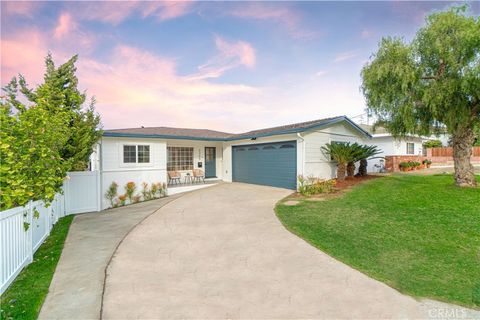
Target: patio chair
x,y
198,175
174,177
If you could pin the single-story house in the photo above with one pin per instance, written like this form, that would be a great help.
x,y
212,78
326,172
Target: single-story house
x,y
390,146
272,156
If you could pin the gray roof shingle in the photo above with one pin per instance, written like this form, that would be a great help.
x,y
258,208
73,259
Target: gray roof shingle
x,y
174,132
199,134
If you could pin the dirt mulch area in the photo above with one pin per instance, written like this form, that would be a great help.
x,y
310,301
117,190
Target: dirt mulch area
x,y
340,188
350,182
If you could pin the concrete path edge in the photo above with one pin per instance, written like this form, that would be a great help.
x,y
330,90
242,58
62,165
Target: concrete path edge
x,y
174,197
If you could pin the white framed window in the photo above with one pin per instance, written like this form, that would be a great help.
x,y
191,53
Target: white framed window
x,y
179,158
143,154
135,153
410,148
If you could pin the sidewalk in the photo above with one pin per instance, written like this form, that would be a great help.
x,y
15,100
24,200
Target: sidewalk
x,y
77,285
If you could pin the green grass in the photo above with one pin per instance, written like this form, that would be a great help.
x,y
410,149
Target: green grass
x,y
25,296
418,234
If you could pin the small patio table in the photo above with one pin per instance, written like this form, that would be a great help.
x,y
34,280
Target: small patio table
x,y
188,178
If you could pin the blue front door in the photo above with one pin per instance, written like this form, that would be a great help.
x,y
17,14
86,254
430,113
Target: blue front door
x,y
210,166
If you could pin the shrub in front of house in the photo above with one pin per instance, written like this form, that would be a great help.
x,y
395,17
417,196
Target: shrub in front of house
x,y
405,165
130,189
122,199
427,163
311,185
146,192
157,190
154,190
111,193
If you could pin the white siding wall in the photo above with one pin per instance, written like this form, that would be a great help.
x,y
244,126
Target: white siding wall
x,y
114,170
393,147
227,151
316,163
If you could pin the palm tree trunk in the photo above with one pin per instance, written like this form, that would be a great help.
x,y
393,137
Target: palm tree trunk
x,y
362,169
341,171
462,142
351,169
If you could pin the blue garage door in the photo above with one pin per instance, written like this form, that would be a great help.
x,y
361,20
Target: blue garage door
x,y
270,164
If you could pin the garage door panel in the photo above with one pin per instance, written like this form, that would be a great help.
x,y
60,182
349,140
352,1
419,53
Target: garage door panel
x,y
272,164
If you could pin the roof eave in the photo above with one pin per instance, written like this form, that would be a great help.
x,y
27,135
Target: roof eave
x,y
337,120
243,137
157,136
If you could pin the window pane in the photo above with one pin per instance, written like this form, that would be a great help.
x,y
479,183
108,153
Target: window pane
x,y
410,148
143,154
179,158
129,154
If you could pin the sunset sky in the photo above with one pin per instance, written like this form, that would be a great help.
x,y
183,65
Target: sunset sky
x,y
230,66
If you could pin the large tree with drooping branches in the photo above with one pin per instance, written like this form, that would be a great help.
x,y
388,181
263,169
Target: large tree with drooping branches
x,y
431,83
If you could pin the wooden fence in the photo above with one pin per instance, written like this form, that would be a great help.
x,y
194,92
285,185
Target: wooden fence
x,y
448,152
445,154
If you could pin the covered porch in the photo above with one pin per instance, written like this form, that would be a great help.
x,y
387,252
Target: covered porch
x,y
191,163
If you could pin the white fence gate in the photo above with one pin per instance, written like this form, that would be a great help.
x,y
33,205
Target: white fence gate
x,y
82,192
23,229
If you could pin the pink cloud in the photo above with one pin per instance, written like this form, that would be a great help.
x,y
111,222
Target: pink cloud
x,y
165,10
137,87
231,54
115,12
281,14
134,87
112,12
240,49
24,54
64,26
22,8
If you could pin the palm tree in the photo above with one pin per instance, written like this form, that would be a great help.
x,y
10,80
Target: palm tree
x,y
356,152
366,152
342,153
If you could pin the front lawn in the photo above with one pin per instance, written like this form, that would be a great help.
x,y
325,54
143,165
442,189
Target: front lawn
x,y
25,296
418,234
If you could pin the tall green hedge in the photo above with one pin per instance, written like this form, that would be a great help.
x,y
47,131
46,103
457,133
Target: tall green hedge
x,y
44,133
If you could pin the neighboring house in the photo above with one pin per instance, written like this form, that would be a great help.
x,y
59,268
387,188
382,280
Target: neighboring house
x,y
273,156
390,146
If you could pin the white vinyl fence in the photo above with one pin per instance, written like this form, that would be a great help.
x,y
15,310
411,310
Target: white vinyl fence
x,y
23,229
82,192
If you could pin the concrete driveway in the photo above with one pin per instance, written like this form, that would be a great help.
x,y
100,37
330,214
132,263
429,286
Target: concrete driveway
x,y
222,253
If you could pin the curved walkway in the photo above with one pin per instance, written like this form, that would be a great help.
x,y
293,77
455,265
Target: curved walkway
x,y
222,253
77,285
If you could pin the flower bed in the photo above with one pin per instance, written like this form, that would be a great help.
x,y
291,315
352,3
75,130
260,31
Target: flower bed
x,y
154,191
